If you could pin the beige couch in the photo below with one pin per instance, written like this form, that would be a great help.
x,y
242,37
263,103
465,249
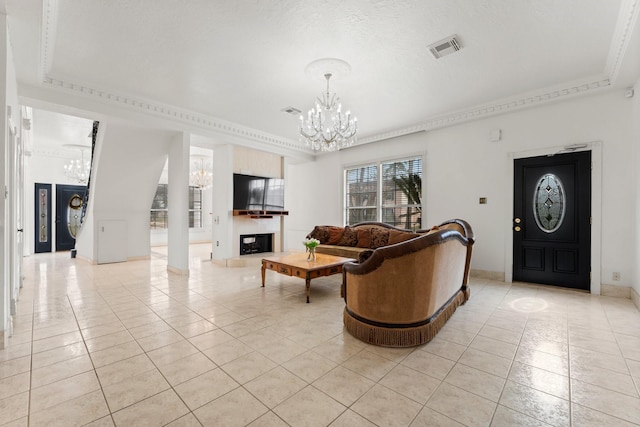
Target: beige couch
x,y
403,293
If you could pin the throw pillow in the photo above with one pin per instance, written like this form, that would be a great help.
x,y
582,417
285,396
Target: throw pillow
x,y
364,237
349,237
379,238
335,234
399,236
320,232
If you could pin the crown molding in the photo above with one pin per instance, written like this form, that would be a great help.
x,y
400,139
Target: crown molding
x,y
47,36
627,18
503,106
55,153
188,118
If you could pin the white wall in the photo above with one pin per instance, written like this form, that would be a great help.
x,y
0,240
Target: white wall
x,y
128,161
8,98
461,164
222,234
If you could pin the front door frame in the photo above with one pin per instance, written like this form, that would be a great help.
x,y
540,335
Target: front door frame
x,y
596,208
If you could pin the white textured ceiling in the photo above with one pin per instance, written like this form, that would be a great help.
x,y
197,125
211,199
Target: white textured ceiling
x,y
243,61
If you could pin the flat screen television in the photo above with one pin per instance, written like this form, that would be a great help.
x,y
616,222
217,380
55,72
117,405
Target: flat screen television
x,y
257,193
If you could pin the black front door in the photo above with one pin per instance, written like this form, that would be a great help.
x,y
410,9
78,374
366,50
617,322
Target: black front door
x,y
552,220
68,214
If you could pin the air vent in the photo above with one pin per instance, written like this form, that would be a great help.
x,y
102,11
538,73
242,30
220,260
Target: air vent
x,y
445,47
292,110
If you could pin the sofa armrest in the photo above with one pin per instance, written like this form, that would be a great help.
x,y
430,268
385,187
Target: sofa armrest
x,y
400,249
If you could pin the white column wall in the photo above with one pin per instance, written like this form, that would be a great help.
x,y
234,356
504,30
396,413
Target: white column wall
x,y
461,164
635,224
178,201
8,99
222,235
128,161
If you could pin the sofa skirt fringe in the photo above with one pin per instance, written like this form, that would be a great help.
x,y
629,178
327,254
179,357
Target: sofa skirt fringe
x,y
402,337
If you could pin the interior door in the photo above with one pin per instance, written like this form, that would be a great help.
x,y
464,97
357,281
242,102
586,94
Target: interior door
x,y
552,220
69,201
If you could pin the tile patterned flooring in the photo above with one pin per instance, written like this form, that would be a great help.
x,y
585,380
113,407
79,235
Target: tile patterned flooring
x,y
129,344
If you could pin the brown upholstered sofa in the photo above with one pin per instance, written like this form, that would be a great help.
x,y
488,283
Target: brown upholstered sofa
x,y
358,240
403,293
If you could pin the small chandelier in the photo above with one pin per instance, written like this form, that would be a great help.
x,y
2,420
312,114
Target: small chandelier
x,y
201,178
78,169
327,128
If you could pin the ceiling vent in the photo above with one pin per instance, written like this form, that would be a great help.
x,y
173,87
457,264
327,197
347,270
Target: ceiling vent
x,y
445,47
291,110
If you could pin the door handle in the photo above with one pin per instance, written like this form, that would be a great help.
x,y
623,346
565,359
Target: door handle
x,y
517,220
517,228
20,230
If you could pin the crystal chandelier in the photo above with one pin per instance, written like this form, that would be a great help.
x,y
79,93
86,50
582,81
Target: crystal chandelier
x,y
327,128
78,169
201,178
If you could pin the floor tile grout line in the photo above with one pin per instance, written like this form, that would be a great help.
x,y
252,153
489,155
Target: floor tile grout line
x,y
485,321
33,315
570,388
506,379
95,372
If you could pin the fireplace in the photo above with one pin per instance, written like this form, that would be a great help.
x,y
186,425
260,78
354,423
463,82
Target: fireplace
x,y
256,243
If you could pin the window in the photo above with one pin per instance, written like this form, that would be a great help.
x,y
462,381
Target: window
x,y
195,207
159,208
361,191
390,192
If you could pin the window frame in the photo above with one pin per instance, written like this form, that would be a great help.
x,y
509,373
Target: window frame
x,y
192,210
380,204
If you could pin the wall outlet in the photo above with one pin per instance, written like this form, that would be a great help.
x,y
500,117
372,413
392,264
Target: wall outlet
x,y
616,276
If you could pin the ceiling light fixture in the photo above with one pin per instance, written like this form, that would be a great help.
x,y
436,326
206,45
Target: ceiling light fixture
x,y
201,178
78,169
326,127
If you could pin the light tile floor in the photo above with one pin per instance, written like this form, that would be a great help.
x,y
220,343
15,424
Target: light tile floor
x,y
129,344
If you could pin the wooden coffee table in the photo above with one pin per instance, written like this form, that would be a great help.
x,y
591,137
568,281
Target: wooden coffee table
x,y
298,266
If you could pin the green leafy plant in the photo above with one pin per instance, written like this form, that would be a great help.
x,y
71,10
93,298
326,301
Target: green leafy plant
x,y
311,243
411,186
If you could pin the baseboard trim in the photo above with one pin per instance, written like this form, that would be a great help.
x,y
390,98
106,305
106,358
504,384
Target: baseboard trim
x,y
2,344
85,259
615,291
486,274
139,258
177,270
635,297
